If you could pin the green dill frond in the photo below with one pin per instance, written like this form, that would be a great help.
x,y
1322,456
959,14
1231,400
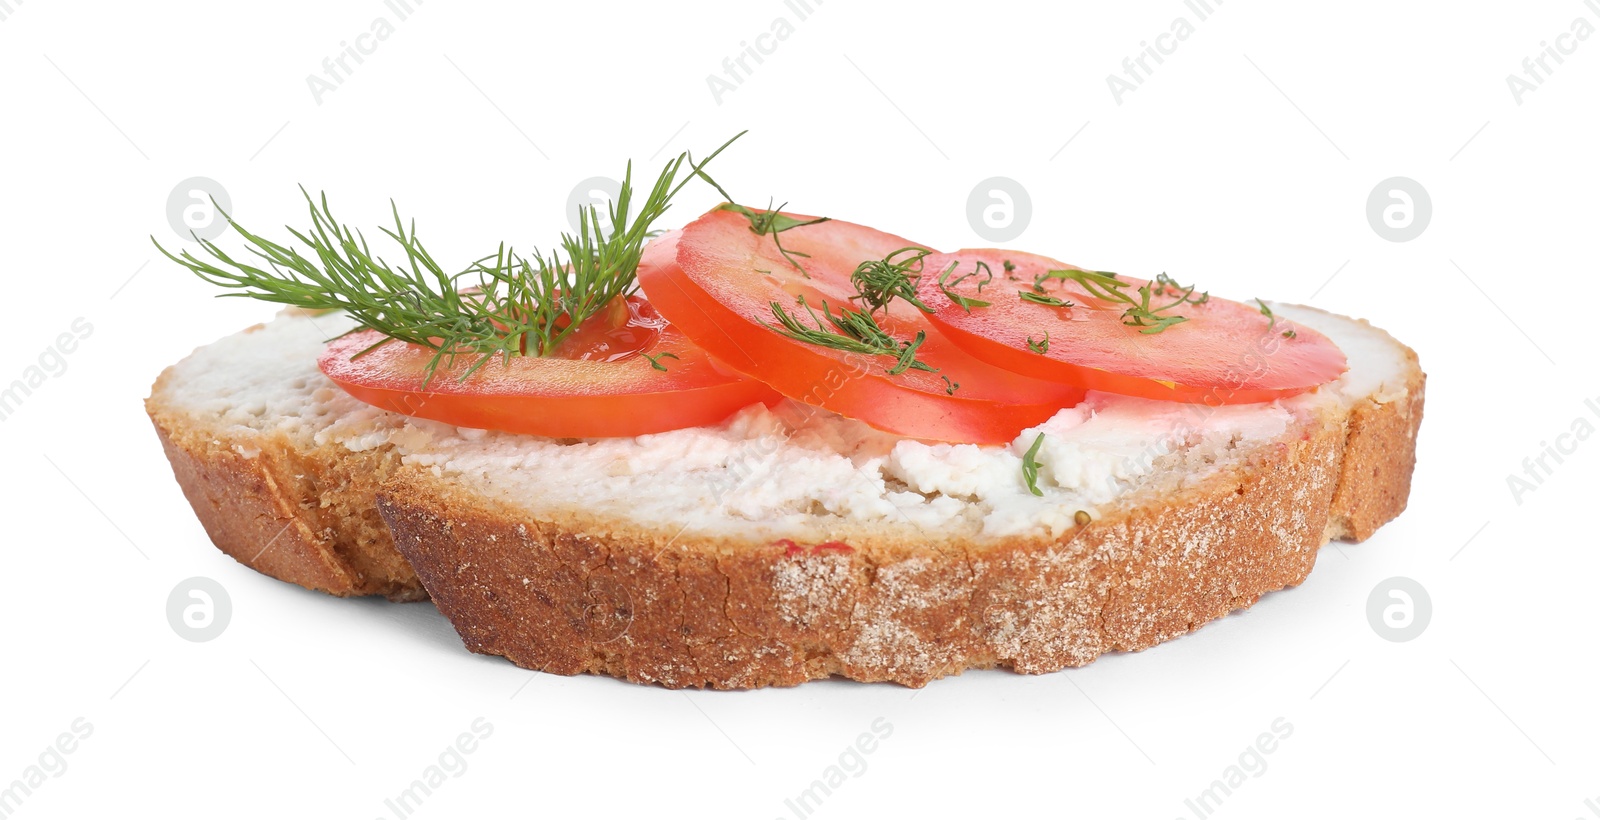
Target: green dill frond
x,y
503,304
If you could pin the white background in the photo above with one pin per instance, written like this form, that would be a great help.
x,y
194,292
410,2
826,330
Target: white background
x,y
1244,162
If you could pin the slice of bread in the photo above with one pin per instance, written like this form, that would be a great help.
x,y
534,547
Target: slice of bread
x,y
790,544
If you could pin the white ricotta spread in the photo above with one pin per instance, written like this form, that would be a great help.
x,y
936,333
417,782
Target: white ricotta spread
x,y
758,471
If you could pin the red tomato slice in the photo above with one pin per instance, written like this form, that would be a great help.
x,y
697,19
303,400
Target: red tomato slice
x,y
600,383
1224,353
716,280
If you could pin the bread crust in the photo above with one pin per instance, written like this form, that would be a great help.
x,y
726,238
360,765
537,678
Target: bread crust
x,y
567,592
1380,455
300,515
570,595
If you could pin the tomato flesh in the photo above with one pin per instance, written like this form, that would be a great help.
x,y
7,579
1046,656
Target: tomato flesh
x,y
622,329
716,281
1225,352
599,383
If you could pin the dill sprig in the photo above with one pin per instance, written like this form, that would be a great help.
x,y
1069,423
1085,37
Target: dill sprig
x,y
878,282
853,332
1040,347
502,304
1030,466
1141,312
655,361
881,281
771,221
1039,298
1267,312
963,302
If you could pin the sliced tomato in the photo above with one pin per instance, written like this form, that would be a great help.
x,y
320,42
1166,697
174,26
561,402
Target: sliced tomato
x,y
1224,352
601,382
717,281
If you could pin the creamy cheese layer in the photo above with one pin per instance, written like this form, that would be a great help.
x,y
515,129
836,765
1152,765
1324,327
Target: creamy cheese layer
x,y
789,471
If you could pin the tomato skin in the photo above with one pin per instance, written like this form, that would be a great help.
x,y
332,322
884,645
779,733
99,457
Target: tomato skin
x,y
598,391
708,281
1226,353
